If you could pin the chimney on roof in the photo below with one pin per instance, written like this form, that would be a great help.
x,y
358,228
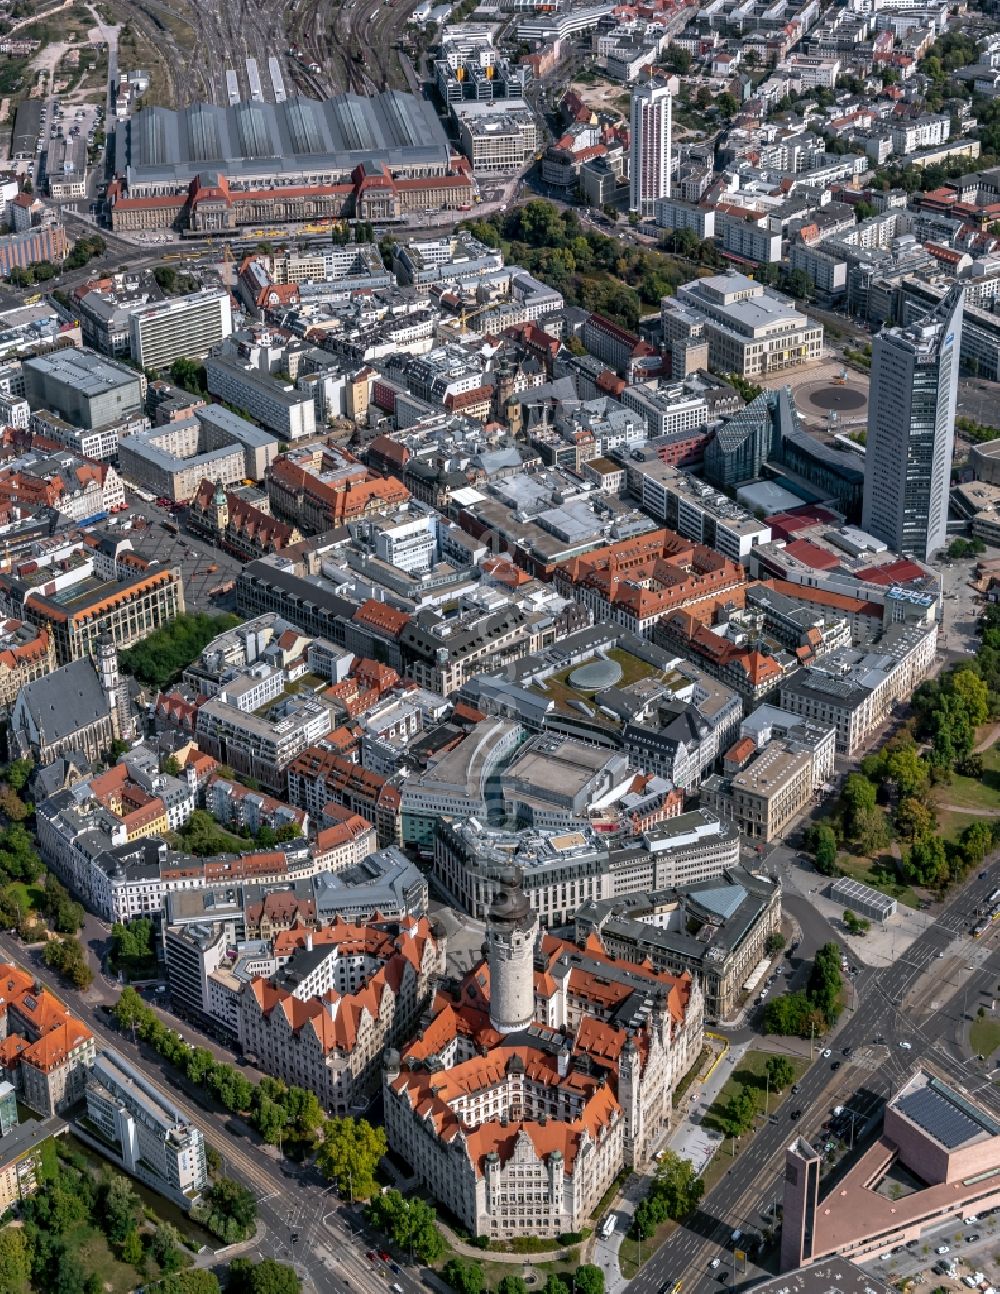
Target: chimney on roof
x,y
331,1005
309,941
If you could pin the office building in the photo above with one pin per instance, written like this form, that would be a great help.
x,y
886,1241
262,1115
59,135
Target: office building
x,y
77,615
562,870
715,930
46,1051
650,119
751,330
853,690
145,1133
276,405
911,430
180,328
86,389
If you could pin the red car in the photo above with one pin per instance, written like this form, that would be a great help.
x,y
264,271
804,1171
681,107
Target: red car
x,y
371,1255
386,1258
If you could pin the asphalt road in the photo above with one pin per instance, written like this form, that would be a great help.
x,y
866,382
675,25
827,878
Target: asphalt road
x,y
754,1179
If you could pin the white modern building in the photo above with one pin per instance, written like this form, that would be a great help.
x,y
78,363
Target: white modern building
x,y
650,121
154,1141
911,430
180,328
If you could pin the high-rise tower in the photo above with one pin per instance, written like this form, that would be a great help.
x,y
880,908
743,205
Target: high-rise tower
x,y
511,932
911,430
650,125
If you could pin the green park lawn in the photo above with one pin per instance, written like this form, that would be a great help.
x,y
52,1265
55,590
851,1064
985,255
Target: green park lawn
x,y
973,792
952,822
749,1072
30,895
984,1036
878,874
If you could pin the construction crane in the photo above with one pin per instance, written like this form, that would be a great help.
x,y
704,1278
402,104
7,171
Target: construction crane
x,y
472,314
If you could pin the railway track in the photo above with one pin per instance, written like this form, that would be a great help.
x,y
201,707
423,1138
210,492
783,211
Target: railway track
x,y
352,43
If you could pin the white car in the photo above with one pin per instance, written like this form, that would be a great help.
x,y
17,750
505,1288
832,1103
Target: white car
x,y
942,1249
971,1221
827,1054
714,1264
906,1046
970,1281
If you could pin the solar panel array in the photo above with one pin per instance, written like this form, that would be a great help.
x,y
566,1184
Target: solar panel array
x,y
938,1117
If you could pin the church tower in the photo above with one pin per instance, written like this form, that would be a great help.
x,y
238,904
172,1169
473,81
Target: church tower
x,y
106,664
107,668
511,932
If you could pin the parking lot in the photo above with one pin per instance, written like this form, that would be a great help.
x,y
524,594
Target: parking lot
x,y
192,554
971,1252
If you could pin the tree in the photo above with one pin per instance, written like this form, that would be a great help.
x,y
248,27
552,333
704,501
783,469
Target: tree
x,y
193,1281
780,1072
411,1224
677,1185
15,1261
975,842
350,1154
132,1249
871,831
66,957
512,1284
858,798
17,773
161,657
791,1015
915,818
229,1210
70,1278
825,982
926,863
825,849
464,1277
165,1247
269,1119
774,942
969,689
261,1276
738,1114
188,373
119,1204
12,805
555,1285
132,944
588,1279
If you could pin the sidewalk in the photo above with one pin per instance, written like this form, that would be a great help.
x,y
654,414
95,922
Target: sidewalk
x,y
689,1138
496,1256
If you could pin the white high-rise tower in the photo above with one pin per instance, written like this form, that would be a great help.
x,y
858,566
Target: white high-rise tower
x,y
511,932
650,122
911,430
